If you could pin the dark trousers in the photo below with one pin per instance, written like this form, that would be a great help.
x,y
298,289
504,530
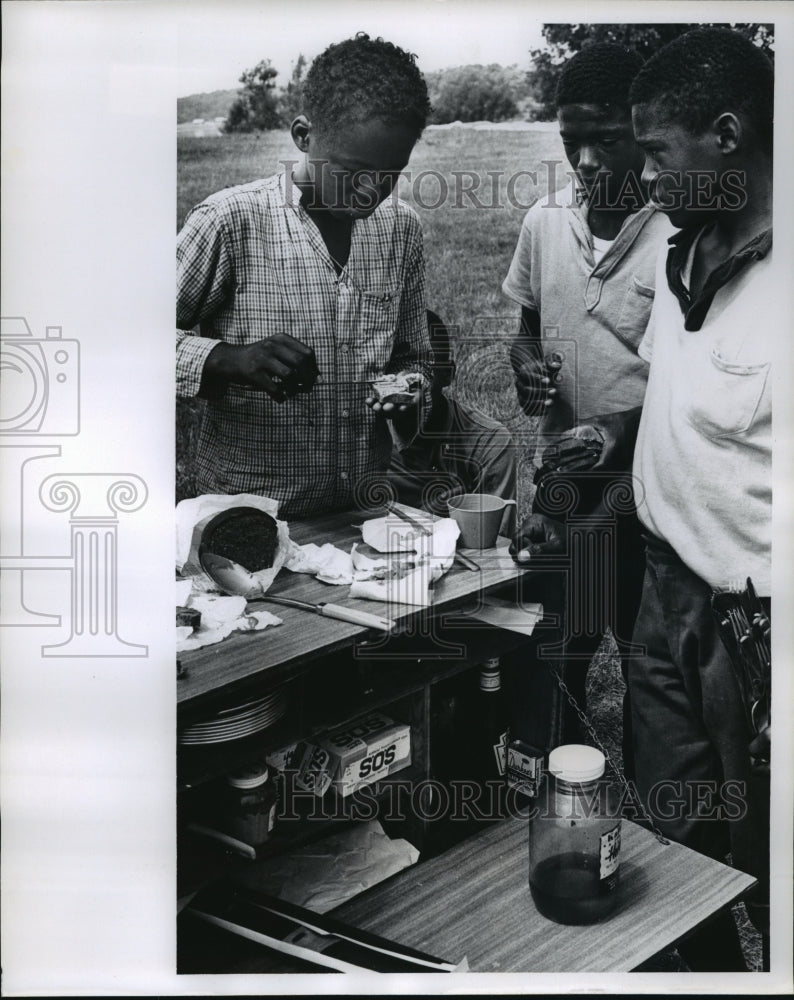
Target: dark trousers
x,y
595,585
692,765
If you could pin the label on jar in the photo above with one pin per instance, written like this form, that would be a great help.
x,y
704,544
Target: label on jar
x,y
610,852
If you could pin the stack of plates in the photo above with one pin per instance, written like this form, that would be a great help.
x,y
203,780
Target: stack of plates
x,y
241,720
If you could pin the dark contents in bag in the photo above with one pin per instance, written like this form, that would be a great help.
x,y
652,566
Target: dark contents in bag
x,y
244,535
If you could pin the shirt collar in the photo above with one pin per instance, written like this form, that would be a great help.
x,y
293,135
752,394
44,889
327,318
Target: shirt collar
x,y
290,191
681,243
756,249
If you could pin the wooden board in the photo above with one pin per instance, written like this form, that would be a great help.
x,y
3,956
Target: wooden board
x,y
474,900
304,636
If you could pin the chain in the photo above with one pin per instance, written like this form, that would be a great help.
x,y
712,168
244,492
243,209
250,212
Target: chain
x,y
616,769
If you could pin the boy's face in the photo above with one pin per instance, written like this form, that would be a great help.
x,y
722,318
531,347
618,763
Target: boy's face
x,y
353,169
599,144
684,172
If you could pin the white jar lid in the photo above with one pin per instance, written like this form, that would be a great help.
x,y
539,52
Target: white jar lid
x,y
576,762
249,777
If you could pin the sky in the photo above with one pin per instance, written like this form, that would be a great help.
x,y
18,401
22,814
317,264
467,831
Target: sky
x,y
218,40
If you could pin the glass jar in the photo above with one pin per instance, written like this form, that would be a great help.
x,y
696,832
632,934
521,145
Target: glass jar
x,y
574,839
250,804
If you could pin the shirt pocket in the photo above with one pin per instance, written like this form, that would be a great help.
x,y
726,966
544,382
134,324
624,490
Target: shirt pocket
x,y
376,325
634,313
725,397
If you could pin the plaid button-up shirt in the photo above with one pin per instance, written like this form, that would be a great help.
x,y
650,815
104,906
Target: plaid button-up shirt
x,y
250,264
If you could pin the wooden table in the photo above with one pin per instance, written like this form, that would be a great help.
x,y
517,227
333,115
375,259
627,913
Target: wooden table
x,y
474,901
304,636
335,672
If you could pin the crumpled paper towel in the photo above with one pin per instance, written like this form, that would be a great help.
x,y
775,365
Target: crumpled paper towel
x,y
220,616
367,568
391,534
191,516
328,563
403,584
325,874
413,588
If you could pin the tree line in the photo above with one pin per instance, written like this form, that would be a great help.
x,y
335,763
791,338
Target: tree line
x,y
474,93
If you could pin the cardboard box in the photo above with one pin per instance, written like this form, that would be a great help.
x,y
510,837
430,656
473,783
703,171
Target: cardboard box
x,y
367,750
310,763
524,767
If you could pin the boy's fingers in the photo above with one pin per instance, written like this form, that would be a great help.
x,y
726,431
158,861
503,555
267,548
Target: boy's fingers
x,y
301,349
274,389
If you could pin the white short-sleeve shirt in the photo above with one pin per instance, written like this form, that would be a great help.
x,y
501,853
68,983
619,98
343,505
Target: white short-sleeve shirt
x,y
703,460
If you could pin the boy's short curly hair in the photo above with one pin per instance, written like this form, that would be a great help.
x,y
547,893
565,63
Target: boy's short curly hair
x,y
363,78
706,72
601,73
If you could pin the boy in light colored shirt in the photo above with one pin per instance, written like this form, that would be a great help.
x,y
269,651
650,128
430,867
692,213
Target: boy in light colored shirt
x,y
583,272
703,113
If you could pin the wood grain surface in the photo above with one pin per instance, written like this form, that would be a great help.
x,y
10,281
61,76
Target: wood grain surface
x,y
305,636
474,900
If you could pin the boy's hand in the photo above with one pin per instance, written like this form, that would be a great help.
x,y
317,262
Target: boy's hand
x,y
279,365
405,416
539,535
535,379
605,442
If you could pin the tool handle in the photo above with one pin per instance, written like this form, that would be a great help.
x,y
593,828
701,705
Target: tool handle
x,y
465,561
356,617
421,528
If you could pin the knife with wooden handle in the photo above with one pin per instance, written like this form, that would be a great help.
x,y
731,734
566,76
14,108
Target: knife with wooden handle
x,y
234,579
342,614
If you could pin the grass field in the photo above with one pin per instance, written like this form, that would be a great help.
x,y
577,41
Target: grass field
x,y
468,249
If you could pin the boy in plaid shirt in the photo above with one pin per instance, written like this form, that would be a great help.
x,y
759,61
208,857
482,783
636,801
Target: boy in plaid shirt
x,y
295,292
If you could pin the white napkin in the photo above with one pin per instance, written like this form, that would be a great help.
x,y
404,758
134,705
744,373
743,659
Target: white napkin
x,y
390,534
220,616
328,563
413,588
367,568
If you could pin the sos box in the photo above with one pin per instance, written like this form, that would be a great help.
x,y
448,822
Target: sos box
x,y
365,751
309,764
360,753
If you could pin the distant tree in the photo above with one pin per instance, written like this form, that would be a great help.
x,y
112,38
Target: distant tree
x,y
563,40
291,99
256,109
474,93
